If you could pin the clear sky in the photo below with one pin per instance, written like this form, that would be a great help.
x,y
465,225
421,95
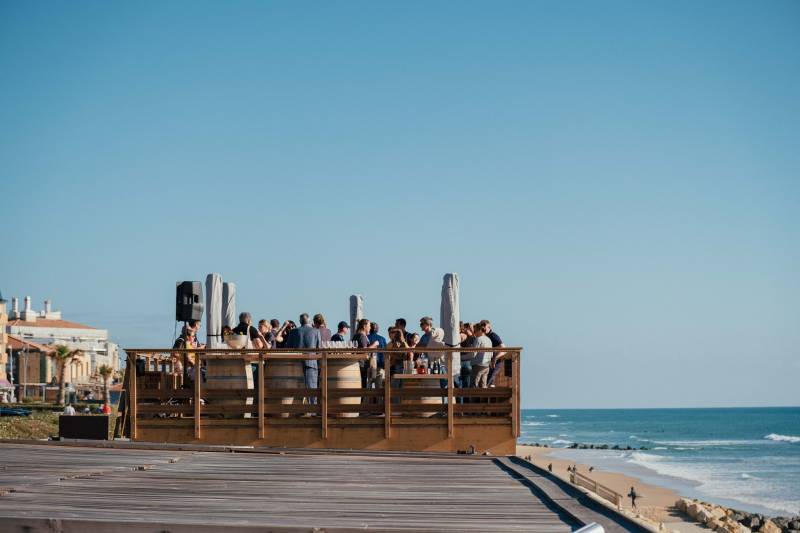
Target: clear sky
x,y
617,183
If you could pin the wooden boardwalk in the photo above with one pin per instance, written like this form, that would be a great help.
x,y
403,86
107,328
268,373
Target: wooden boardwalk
x,y
176,491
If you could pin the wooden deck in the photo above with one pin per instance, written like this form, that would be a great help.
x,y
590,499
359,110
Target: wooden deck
x,y
80,489
410,412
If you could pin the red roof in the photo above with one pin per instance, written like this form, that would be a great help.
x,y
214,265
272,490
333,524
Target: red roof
x,y
17,343
48,323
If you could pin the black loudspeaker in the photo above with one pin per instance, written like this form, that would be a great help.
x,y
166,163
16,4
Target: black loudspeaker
x,y
188,301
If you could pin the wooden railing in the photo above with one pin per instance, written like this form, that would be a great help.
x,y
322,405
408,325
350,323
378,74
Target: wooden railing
x,y
158,393
576,478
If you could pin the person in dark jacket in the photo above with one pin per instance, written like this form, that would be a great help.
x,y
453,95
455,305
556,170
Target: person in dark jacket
x,y
342,333
306,336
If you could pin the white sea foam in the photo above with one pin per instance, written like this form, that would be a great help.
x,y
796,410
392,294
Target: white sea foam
x,y
717,480
533,423
552,416
660,448
783,438
562,441
707,443
645,458
547,439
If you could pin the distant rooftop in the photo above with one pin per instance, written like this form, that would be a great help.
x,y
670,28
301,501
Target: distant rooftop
x,y
18,343
48,323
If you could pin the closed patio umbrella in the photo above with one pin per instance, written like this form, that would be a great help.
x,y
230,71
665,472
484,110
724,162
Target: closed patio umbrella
x,y
229,317
450,315
214,310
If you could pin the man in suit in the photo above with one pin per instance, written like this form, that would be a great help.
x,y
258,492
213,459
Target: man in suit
x,y
306,336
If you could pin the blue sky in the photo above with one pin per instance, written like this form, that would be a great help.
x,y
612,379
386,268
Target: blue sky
x,y
617,183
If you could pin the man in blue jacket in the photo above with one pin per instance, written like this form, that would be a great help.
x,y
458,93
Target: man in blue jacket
x,y
307,336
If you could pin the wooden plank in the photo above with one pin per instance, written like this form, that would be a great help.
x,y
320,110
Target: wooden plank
x,y
356,408
198,377
450,427
276,353
201,492
483,408
387,397
324,398
261,369
362,393
417,376
515,413
419,392
132,395
178,394
149,409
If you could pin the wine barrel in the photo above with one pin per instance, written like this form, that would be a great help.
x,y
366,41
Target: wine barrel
x,y
344,374
425,400
284,375
232,373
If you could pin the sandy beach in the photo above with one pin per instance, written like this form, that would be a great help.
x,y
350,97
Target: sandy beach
x,y
655,504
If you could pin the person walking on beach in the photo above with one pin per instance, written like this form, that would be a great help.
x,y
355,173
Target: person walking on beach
x,y
633,495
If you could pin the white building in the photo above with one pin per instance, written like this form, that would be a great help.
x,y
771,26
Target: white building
x,y
48,328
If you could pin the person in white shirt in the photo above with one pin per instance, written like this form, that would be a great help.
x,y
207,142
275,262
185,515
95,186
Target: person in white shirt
x,y
482,360
69,410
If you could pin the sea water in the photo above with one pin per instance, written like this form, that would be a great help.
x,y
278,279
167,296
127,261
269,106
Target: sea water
x,y
746,458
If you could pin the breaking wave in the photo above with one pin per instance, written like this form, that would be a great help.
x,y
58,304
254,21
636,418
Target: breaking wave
x,y
783,438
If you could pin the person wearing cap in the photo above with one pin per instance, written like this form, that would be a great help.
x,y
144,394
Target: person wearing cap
x,y
342,332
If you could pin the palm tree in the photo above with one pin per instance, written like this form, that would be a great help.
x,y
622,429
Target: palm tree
x,y
105,372
63,355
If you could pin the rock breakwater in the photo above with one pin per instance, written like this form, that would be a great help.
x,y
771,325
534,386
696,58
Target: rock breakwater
x,y
724,520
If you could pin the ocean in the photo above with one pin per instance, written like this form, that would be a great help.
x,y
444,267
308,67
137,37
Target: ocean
x,y
746,458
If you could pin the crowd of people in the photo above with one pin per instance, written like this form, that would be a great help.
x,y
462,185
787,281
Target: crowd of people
x,y
478,368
